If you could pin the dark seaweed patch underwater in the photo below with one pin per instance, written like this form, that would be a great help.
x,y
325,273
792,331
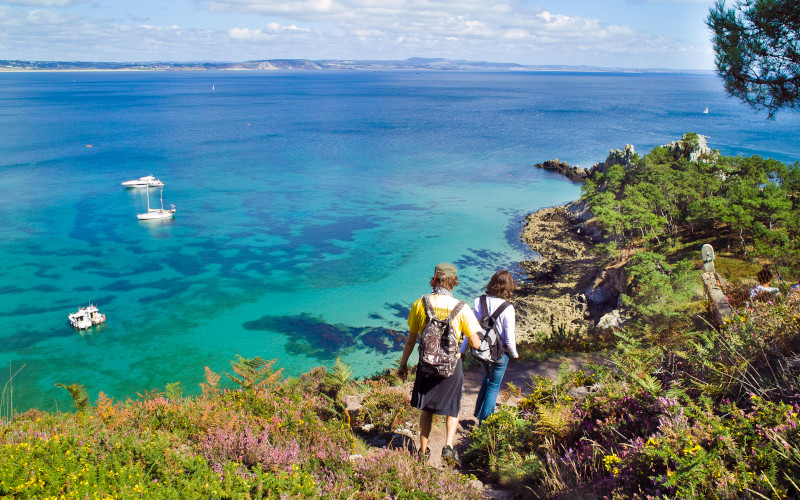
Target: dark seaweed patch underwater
x,y
312,337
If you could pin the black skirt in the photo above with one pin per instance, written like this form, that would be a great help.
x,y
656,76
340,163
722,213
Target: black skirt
x,y
439,395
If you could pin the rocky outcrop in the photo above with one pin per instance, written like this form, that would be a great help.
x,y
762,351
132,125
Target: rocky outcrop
x,y
583,221
571,172
624,157
604,293
566,285
610,321
693,147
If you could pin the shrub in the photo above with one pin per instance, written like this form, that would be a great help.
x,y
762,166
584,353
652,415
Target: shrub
x,y
386,408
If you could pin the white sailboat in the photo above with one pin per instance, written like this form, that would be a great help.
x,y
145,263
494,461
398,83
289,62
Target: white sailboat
x,y
705,111
156,213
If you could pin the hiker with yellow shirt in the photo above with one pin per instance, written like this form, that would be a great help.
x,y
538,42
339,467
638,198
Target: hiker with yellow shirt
x,y
440,322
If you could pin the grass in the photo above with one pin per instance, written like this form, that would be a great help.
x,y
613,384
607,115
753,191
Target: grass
x,y
7,396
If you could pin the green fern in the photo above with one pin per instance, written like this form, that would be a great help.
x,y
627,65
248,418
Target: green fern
x,y
554,421
80,396
340,375
254,374
173,391
647,382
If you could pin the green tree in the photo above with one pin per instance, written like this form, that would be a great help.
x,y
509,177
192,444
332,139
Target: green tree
x,y
658,289
757,48
789,178
638,213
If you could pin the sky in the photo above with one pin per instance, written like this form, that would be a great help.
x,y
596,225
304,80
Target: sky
x,y
607,33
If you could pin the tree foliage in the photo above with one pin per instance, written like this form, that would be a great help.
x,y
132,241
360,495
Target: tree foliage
x,y
757,47
749,205
659,289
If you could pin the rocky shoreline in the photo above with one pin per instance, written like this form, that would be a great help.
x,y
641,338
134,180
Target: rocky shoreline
x,y
567,287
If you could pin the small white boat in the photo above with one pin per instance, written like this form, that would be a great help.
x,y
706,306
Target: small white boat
x,y
86,317
705,111
146,181
156,213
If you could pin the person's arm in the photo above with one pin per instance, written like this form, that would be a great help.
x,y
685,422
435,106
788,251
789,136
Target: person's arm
x,y
402,370
509,318
416,319
471,328
474,340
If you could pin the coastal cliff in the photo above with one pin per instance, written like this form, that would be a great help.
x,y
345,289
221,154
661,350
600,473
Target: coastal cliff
x,y
566,286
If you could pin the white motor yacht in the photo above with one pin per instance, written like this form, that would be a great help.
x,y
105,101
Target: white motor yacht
x,y
146,181
86,317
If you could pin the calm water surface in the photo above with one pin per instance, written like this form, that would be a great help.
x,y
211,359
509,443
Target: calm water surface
x,y
311,207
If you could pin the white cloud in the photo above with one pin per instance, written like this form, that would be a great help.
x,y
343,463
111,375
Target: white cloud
x,y
40,16
507,31
280,28
44,3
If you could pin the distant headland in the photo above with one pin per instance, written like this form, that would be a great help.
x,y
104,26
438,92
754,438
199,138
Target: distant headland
x,y
411,64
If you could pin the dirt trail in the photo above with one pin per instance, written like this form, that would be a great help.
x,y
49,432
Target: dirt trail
x,y
519,373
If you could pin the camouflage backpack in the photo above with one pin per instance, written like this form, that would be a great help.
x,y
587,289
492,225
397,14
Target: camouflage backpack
x,y
439,348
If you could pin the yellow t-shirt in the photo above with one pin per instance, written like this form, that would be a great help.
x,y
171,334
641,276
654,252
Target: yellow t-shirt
x,y
464,322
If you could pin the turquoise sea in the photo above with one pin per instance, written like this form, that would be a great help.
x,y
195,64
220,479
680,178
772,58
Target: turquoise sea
x,y
311,206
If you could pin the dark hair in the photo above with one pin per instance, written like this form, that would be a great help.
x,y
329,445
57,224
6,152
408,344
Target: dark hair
x,y
764,276
501,285
448,282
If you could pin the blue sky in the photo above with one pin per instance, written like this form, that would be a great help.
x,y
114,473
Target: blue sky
x,y
609,33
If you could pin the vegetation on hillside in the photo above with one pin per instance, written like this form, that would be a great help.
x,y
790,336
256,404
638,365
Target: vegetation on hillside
x,y
688,409
262,438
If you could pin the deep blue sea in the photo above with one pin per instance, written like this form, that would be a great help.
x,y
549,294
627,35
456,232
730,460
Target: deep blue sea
x,y
311,206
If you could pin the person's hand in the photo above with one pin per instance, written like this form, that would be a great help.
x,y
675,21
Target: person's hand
x,y
402,372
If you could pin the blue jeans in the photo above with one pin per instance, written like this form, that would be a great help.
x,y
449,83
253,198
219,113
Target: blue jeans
x,y
490,388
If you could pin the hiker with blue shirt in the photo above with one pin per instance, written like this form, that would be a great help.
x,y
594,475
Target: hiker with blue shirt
x,y
498,291
439,393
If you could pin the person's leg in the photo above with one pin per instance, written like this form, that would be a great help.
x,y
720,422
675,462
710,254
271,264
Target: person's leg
x,y
493,381
482,391
425,422
452,426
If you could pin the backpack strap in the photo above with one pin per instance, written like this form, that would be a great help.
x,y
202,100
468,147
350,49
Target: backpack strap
x,y
428,307
455,311
497,312
431,314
